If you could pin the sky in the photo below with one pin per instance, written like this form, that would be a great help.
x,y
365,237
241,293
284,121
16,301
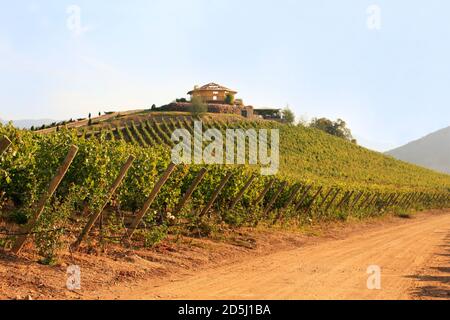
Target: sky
x,y
382,66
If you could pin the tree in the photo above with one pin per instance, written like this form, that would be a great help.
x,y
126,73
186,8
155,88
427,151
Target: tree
x,y
153,106
198,107
336,128
288,115
229,99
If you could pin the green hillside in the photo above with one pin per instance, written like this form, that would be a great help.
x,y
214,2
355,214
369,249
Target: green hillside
x,y
314,155
321,178
306,154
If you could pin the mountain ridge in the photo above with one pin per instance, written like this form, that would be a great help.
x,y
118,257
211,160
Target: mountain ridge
x,y
431,151
28,123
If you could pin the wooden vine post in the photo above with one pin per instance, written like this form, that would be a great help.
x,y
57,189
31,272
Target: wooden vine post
x,y
396,199
200,176
427,198
364,201
349,200
378,203
434,198
4,144
39,208
408,200
344,198
446,199
291,198
215,194
162,180
313,199
264,192
393,200
302,198
386,200
376,200
355,202
439,200
416,199
372,201
405,200
411,200
338,191
84,233
325,198
400,200
274,198
421,198
242,192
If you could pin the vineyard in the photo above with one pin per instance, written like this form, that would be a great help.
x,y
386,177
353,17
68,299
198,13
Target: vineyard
x,y
318,157
114,182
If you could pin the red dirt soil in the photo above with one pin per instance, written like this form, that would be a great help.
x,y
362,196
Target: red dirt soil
x,y
320,262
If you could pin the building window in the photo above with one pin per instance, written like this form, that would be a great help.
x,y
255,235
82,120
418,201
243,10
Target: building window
x,y
215,98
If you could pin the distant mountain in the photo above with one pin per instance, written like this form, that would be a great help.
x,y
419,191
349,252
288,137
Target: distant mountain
x,y
27,124
432,151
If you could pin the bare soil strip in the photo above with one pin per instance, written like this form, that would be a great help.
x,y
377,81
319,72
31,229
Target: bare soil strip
x,y
326,261
332,269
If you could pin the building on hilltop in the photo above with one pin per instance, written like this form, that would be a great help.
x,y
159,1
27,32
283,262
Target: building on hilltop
x,y
212,93
269,114
218,99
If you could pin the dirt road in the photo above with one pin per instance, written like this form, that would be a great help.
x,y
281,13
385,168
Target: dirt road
x,y
334,269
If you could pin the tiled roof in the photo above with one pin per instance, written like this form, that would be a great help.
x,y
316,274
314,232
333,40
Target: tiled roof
x,y
212,87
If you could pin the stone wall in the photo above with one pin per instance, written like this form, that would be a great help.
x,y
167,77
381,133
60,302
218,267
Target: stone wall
x,y
246,111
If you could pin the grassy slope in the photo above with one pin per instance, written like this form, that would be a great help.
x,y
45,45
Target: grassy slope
x,y
312,155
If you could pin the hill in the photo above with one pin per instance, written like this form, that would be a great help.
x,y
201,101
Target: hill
x,y
431,151
27,124
321,178
306,154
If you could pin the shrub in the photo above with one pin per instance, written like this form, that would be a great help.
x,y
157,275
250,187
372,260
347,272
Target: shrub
x,y
198,107
336,128
288,116
229,99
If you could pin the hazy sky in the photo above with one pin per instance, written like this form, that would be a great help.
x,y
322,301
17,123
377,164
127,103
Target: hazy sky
x,y
390,84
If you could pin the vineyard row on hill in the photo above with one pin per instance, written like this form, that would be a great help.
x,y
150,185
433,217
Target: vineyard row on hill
x,y
153,132
307,155
28,165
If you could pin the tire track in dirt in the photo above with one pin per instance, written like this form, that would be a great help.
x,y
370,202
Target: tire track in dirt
x,y
334,269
